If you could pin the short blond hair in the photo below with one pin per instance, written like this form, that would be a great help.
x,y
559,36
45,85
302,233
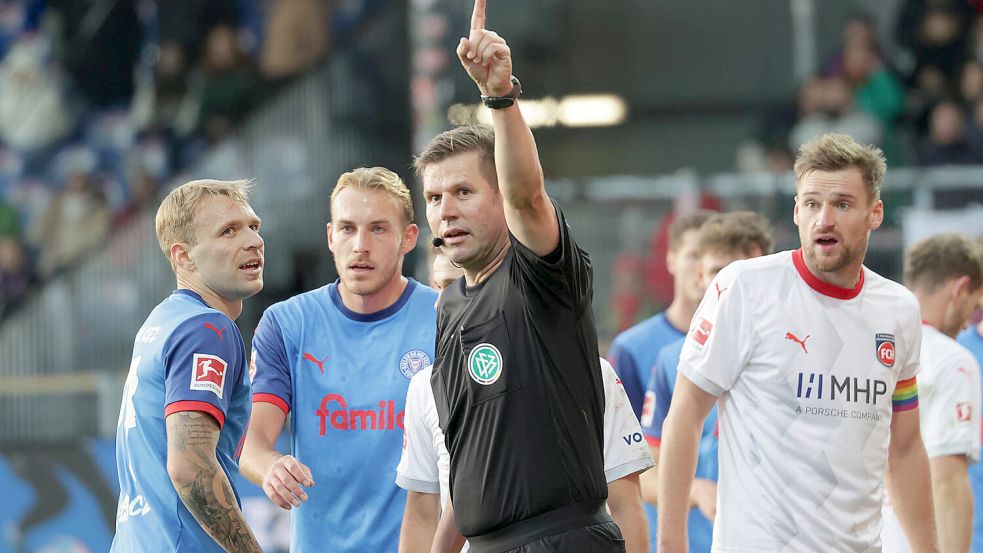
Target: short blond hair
x,y
175,220
737,231
940,258
835,152
377,179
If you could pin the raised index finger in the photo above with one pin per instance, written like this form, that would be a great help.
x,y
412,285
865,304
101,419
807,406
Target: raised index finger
x,y
478,15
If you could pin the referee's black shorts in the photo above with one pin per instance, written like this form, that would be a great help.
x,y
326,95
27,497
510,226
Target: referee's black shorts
x,y
599,538
579,528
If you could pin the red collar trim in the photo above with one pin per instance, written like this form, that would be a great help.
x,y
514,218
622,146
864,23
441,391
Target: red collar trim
x,y
825,288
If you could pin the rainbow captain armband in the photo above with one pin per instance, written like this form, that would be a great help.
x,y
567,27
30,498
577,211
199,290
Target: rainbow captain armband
x,y
905,397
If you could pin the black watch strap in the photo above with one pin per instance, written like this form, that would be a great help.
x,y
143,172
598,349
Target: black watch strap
x,y
501,102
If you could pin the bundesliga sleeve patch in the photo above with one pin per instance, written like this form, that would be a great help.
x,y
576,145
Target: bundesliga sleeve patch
x,y
648,409
905,397
208,373
702,331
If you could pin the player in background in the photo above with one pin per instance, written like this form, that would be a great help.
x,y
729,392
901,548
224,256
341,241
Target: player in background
x,y
186,399
721,240
517,381
945,272
338,360
424,467
972,339
813,358
634,351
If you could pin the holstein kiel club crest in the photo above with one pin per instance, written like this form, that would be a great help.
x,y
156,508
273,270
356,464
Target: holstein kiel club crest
x,y
885,349
413,362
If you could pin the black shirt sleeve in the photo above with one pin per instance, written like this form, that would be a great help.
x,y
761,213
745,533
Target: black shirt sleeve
x,y
564,275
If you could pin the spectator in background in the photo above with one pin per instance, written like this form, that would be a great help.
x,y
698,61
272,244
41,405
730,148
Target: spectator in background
x,y
876,91
947,143
143,193
186,23
935,32
228,84
98,43
16,273
76,222
828,106
296,38
9,220
33,111
859,29
971,82
162,101
971,91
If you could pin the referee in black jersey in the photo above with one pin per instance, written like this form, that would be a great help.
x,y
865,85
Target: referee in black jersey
x,y
516,380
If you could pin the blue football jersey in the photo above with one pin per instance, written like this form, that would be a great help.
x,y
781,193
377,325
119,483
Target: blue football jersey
x,y
342,376
971,339
658,396
186,357
633,354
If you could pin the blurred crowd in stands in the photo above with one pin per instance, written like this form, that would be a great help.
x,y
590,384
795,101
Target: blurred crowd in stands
x,y
102,101
920,100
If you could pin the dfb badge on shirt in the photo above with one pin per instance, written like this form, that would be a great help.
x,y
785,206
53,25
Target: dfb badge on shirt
x,y
209,373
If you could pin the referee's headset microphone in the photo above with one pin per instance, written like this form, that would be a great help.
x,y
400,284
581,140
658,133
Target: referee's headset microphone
x,y
438,242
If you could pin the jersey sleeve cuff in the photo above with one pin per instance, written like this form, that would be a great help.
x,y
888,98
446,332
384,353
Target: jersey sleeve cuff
x,y
203,406
413,485
971,451
701,381
274,399
625,469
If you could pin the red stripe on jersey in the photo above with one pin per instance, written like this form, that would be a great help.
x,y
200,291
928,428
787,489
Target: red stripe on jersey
x,y
274,399
203,406
825,288
652,440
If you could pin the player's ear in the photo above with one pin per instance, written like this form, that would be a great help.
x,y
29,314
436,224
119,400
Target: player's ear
x,y
671,261
795,210
330,240
960,287
181,255
877,215
410,234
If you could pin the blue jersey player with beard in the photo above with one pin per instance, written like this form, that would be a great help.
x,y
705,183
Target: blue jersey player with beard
x,y
338,361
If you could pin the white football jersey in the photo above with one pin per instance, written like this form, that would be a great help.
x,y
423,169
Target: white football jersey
x,y
807,375
949,412
425,464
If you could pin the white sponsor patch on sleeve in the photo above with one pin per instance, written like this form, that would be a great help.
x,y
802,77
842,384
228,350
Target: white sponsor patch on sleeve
x,y
209,373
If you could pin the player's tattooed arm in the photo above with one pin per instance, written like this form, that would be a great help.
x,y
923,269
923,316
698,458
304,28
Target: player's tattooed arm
x,y
202,484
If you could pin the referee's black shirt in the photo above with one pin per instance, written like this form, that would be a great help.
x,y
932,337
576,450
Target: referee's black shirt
x,y
518,388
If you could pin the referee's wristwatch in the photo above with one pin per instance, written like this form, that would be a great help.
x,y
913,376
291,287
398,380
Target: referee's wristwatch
x,y
502,102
